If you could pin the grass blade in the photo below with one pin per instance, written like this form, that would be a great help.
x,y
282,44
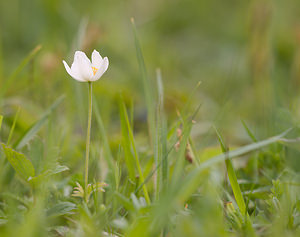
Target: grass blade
x,y
137,162
160,149
148,88
250,134
13,126
1,119
232,177
107,151
192,179
35,128
129,160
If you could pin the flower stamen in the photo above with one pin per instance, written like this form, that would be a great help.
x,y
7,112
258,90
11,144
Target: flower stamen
x,y
94,70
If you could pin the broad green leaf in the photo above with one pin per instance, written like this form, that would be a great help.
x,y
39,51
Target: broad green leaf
x,y
35,128
60,209
19,162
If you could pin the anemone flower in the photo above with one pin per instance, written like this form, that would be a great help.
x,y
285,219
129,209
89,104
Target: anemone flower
x,y
84,70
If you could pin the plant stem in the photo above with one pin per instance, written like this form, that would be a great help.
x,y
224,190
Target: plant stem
x,y
88,139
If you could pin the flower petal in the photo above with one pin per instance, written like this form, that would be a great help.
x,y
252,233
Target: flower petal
x,y
101,70
75,70
71,72
83,65
96,59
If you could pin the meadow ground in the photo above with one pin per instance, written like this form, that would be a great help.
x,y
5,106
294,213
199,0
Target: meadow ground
x,y
195,124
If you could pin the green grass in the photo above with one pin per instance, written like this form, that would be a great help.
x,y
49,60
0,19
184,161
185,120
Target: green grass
x,y
195,125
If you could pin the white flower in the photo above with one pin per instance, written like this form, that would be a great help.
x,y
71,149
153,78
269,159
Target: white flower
x,y
84,70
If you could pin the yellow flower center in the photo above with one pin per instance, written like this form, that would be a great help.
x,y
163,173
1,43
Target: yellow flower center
x,y
94,70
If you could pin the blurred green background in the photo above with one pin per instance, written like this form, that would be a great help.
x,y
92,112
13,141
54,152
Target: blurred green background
x,y
232,47
246,54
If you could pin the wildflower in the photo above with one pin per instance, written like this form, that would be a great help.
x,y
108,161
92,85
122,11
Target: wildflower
x,y
84,70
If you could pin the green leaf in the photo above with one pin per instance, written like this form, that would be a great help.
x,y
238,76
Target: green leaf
x,y
41,177
60,209
19,162
58,169
11,196
35,128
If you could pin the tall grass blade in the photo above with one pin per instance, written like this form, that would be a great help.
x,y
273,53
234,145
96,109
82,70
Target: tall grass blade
x,y
232,177
129,159
160,149
250,134
191,181
107,151
13,126
1,119
35,128
148,88
255,161
137,162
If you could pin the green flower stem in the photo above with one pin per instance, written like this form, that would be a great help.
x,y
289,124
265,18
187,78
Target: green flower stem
x,y
88,139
